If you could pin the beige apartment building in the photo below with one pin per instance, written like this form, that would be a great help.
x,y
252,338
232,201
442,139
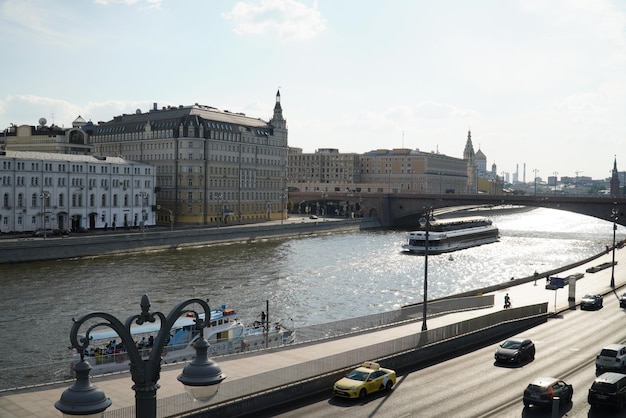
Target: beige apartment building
x,y
326,166
212,166
397,170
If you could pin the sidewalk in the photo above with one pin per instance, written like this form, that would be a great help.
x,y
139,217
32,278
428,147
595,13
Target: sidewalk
x,y
39,402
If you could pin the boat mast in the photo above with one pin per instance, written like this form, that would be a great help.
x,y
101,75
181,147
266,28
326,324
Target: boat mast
x,y
267,325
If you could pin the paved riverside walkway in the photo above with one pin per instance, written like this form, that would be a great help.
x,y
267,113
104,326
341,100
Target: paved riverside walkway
x,y
39,401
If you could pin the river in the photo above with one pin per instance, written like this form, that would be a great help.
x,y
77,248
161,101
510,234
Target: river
x,y
306,281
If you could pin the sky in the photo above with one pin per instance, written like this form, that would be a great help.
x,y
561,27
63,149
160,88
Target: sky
x,y
540,83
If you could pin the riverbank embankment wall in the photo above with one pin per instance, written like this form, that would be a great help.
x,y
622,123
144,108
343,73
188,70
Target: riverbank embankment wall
x,y
90,245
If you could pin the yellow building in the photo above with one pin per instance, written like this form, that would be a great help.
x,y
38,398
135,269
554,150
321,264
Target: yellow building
x,y
52,139
399,170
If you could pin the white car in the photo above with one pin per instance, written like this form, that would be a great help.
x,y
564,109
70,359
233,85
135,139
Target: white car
x,y
612,357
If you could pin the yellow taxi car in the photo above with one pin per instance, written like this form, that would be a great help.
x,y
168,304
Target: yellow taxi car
x,y
367,378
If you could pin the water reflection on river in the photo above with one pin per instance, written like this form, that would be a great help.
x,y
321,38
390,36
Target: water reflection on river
x,y
310,280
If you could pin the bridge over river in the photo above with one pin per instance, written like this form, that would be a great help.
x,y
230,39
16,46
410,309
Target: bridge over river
x,y
403,209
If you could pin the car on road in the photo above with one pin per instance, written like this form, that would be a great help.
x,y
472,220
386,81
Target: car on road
x,y
61,232
622,301
313,217
608,389
366,379
41,233
591,301
541,392
515,350
612,357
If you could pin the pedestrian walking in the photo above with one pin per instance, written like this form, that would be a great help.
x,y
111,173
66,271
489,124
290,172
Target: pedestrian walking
x,y
507,301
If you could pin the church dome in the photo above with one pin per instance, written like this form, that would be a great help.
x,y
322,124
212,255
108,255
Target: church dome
x,y
480,155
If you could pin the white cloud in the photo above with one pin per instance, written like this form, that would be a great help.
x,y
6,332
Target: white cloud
x,y
62,112
287,19
581,102
433,110
54,110
28,20
150,3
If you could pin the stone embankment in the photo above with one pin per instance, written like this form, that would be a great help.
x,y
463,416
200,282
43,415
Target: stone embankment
x,y
102,243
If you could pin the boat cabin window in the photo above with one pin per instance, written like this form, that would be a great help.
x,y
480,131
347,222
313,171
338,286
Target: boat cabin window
x,y
219,336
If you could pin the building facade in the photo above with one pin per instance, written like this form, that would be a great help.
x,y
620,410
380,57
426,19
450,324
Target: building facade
x,y
52,139
62,191
402,170
398,170
325,166
212,166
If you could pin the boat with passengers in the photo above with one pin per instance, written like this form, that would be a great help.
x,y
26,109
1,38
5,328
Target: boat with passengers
x,y
447,235
226,335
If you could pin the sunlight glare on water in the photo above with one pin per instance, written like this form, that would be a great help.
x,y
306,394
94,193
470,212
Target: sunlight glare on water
x,y
309,280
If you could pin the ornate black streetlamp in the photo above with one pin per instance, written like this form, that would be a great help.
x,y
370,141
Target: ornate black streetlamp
x,y
219,210
142,196
325,196
201,377
614,217
555,182
44,196
425,223
282,208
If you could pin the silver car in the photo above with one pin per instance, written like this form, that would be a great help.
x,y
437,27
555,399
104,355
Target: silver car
x,y
612,357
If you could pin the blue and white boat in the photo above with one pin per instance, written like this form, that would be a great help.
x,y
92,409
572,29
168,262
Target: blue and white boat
x,y
226,335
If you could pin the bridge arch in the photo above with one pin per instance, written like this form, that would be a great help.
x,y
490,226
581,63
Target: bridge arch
x,y
394,210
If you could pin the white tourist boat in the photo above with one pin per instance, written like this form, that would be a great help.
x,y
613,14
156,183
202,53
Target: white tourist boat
x,y
449,235
226,335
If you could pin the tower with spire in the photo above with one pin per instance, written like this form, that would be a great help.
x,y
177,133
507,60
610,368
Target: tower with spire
x,y
469,157
615,192
278,121
279,139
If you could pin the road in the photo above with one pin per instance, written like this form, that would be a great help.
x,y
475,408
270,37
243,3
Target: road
x,y
471,385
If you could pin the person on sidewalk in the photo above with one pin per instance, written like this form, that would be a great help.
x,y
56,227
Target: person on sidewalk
x,y
507,301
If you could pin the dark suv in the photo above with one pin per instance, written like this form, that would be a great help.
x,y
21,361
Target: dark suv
x,y
608,389
542,391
